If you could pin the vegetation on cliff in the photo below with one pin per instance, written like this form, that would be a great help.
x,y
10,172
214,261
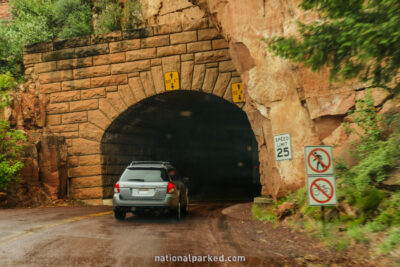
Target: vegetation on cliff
x,y
36,21
11,140
354,39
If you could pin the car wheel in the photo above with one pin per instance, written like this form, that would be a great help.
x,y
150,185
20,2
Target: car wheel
x,y
119,215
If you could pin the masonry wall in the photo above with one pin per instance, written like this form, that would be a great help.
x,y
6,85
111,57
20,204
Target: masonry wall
x,y
88,82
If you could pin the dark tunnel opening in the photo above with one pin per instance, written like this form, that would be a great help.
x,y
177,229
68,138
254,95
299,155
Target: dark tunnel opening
x,y
207,139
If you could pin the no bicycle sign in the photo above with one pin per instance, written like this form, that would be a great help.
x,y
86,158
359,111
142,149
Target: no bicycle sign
x,y
322,191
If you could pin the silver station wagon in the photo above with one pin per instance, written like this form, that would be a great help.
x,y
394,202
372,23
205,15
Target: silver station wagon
x,y
150,185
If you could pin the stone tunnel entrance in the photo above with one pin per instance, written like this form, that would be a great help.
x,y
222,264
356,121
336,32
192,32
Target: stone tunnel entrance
x,y
206,137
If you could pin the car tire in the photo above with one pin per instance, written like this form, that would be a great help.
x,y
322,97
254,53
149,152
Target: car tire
x,y
119,215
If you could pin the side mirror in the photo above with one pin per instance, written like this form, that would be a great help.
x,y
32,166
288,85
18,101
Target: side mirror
x,y
186,180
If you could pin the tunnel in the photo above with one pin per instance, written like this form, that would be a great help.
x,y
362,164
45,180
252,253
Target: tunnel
x,y
208,139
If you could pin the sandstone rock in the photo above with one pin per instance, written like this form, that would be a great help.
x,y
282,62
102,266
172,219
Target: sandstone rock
x,y
335,104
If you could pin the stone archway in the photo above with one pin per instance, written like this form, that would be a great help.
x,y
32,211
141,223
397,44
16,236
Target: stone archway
x,y
206,137
89,81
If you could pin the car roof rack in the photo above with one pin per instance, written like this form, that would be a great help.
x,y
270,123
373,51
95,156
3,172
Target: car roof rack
x,y
150,162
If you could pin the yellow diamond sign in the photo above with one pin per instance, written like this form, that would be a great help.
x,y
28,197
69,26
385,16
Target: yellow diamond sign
x,y
237,92
171,80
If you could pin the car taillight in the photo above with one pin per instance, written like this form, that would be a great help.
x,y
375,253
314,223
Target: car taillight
x,y
170,188
116,188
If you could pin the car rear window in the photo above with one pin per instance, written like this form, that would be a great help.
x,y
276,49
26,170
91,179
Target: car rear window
x,y
144,175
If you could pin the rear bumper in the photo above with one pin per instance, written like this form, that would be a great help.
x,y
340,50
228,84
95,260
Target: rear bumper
x,y
170,201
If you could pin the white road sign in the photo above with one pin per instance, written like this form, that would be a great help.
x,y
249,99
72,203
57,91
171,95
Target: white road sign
x,y
319,160
283,148
321,191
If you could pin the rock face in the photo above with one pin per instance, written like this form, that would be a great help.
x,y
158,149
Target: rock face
x,y
4,14
281,97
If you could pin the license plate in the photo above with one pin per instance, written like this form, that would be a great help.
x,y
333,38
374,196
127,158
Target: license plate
x,y
143,189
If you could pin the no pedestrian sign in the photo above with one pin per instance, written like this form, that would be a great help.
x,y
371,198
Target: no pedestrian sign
x,y
319,160
321,191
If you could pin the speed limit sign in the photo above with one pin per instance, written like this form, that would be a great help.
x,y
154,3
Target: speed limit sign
x,y
283,149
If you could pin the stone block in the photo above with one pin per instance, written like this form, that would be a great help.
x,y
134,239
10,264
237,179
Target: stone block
x,y
108,109
73,161
65,96
198,76
127,95
171,50
141,54
122,46
82,171
50,88
137,33
212,65
187,75
155,41
32,58
158,79
225,66
219,44
46,67
90,132
156,62
92,72
111,88
183,37
109,59
70,43
207,34
74,63
38,47
90,160
85,147
59,55
93,93
93,50
71,135
115,100
221,84
75,85
53,119
199,46
172,63
129,67
210,79
57,108
84,105
212,56
64,128
106,38
83,182
109,80
187,57
56,76
147,82
136,86
74,117
89,193
99,119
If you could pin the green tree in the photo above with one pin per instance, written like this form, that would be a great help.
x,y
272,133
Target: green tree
x,y
11,140
355,38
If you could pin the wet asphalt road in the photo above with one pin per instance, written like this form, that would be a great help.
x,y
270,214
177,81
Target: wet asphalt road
x,y
90,236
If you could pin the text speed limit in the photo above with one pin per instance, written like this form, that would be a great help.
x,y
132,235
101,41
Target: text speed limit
x,y
282,146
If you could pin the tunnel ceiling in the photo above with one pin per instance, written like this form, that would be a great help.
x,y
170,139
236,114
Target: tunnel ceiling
x,y
209,139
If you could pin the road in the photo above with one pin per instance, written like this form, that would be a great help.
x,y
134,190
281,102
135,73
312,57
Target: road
x,y
90,236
